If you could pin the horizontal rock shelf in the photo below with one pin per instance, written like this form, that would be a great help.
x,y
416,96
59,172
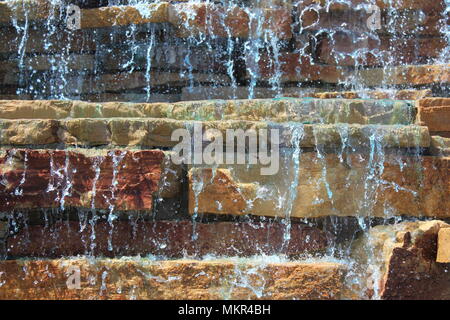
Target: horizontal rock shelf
x,y
170,239
154,132
97,179
277,110
178,279
377,185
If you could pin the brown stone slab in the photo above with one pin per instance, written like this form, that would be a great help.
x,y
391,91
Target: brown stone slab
x,y
410,75
110,180
178,279
40,41
327,185
293,67
170,239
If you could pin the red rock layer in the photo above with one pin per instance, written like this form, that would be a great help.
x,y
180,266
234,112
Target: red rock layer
x,y
170,239
120,180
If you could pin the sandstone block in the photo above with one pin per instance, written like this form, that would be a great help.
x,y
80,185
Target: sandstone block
x,y
25,9
176,279
292,67
355,49
443,246
434,113
38,41
323,185
170,239
440,146
406,19
351,111
157,132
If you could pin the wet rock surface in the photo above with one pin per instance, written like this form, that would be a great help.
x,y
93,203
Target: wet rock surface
x,y
327,186
170,239
401,261
59,179
178,279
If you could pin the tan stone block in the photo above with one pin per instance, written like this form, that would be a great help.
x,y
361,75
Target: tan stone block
x,y
177,279
443,246
404,75
28,132
326,186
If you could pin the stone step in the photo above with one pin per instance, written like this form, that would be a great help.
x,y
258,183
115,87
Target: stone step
x,y
112,180
367,184
169,239
140,278
307,110
157,132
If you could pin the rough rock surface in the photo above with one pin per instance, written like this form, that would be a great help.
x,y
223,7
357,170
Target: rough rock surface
x,y
157,132
171,239
399,262
279,110
116,179
183,279
327,185
434,113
